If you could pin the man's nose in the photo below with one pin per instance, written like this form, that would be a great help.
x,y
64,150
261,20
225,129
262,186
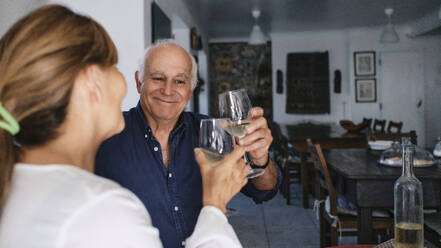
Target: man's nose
x,y
168,88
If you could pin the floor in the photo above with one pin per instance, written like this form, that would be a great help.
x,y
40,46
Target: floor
x,y
274,224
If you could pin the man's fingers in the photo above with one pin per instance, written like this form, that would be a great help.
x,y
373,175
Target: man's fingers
x,y
256,112
256,135
258,145
256,124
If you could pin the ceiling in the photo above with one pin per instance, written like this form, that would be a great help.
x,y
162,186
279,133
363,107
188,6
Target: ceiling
x,y
232,18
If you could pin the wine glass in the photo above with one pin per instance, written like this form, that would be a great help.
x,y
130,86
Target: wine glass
x,y
214,141
236,106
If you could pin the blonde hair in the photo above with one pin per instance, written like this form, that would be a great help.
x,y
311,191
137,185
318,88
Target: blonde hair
x,y
40,57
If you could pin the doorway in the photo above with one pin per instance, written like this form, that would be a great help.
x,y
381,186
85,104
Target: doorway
x,y
401,90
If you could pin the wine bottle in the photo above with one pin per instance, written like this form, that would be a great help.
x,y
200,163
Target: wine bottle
x,y
408,203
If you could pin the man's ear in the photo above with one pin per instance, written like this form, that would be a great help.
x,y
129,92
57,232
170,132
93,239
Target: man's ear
x,y
94,81
138,83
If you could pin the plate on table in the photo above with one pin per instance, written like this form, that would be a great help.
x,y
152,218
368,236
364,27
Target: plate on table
x,y
417,163
380,144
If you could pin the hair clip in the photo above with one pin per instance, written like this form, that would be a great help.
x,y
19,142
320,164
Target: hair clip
x,y
10,124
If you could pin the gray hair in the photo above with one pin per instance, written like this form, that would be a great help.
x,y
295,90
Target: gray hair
x,y
164,43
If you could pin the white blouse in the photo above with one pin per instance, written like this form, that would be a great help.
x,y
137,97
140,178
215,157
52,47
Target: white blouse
x,y
54,206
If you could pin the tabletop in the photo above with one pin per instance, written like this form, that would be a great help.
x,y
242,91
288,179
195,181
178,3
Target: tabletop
x,y
362,164
361,180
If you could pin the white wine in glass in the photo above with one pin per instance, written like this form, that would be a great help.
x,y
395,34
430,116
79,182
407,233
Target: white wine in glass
x,y
212,156
236,105
214,141
237,129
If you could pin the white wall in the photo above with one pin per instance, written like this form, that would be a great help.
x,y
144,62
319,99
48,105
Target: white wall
x,y
335,43
12,10
341,44
123,20
203,73
432,72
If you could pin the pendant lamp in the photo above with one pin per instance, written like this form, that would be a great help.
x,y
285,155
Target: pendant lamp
x,y
389,35
256,37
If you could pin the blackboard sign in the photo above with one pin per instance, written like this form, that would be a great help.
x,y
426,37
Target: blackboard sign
x,y
307,82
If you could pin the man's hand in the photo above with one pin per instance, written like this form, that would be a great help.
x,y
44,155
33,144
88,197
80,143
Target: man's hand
x,y
224,179
258,137
257,141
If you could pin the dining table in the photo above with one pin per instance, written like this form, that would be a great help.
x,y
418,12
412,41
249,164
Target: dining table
x,y
362,180
328,135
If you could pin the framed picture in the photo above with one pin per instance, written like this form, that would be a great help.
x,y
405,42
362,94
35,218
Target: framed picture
x,y
365,90
364,63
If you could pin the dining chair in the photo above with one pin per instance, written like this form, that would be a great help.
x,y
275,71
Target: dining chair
x,y
286,159
333,219
379,125
368,121
394,127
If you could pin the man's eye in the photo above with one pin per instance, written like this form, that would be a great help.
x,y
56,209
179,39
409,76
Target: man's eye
x,y
179,81
158,79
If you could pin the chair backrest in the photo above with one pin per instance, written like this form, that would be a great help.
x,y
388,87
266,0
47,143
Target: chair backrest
x,y
393,136
321,167
379,125
279,144
394,125
368,121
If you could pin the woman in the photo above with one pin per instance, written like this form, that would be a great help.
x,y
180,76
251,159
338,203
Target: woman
x,y
61,96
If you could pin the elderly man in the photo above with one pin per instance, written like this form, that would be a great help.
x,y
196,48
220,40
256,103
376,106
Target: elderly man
x,y
153,156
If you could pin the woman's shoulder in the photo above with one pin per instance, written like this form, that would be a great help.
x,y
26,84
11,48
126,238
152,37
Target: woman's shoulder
x,y
68,183
108,210
66,203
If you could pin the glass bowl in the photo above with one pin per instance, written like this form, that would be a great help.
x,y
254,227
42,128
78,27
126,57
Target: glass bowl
x,y
393,157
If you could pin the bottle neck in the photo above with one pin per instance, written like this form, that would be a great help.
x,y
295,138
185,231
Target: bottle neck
x,y
408,151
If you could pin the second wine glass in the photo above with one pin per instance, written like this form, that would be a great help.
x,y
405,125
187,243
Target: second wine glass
x,y
236,105
214,141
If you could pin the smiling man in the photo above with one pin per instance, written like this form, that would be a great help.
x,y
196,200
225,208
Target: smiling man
x,y
153,156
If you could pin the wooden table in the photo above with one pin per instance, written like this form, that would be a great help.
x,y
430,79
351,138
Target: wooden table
x,y
357,175
328,135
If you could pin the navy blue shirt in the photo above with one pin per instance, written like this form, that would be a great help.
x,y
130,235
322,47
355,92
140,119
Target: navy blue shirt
x,y
173,197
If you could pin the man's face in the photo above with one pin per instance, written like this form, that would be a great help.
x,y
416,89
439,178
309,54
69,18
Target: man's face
x,y
167,87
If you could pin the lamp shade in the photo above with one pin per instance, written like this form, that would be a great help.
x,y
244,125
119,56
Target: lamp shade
x,y
389,35
257,37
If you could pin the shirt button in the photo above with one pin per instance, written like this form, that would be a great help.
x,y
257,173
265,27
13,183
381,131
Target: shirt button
x,y
169,175
183,243
156,148
176,209
145,136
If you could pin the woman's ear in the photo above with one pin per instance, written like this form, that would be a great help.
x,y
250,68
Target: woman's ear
x,y
94,81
